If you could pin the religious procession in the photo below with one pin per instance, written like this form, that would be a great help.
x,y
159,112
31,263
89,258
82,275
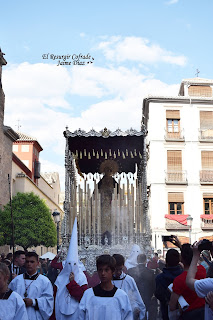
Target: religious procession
x,y
116,260
119,289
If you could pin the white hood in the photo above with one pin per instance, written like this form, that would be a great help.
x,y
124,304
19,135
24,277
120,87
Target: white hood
x,y
64,302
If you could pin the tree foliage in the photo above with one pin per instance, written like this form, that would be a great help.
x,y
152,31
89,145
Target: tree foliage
x,y
33,224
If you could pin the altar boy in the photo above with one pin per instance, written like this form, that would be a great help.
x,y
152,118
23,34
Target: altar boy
x,y
105,301
128,284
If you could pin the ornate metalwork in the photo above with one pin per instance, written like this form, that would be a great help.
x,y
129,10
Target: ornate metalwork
x,y
104,133
90,241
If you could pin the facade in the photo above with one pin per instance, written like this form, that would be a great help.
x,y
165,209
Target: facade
x,y
180,162
7,137
26,177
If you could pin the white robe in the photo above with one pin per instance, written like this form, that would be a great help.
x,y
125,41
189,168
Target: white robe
x,y
117,307
40,289
13,308
132,260
128,284
67,307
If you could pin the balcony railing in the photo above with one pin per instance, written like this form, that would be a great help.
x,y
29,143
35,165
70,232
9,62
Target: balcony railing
x,y
176,177
206,135
174,136
207,222
206,176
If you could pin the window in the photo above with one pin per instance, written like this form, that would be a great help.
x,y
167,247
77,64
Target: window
x,y
206,174
174,160
207,160
25,148
206,124
206,119
203,91
208,206
174,167
15,148
173,123
208,203
176,203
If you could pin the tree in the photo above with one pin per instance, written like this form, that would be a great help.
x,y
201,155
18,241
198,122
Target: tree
x,y
33,223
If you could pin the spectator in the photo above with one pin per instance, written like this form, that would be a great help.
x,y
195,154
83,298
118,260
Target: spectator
x,y
203,287
145,281
2,256
9,257
153,263
164,279
196,304
17,267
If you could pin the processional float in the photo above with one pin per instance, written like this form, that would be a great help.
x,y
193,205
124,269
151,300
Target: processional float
x,y
106,189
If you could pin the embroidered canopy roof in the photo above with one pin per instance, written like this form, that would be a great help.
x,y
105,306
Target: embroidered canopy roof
x,y
91,149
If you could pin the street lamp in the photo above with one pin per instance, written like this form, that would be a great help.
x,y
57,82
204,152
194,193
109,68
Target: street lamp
x,y
189,223
56,217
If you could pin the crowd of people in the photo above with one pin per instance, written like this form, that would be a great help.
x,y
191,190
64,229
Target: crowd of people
x,y
179,288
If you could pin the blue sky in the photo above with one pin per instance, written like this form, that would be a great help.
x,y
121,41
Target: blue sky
x,y
139,48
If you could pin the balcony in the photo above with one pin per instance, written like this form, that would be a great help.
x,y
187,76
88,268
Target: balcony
x,y
206,176
174,136
207,221
176,177
206,135
174,225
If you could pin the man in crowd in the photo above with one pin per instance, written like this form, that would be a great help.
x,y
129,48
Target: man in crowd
x,y
17,266
203,287
127,283
196,304
105,301
145,281
35,289
164,279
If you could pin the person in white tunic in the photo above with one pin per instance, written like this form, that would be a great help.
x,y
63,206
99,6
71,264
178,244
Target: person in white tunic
x,y
71,280
131,261
12,306
35,289
105,301
127,283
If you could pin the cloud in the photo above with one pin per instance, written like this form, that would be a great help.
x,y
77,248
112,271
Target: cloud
x,y
172,2
43,96
121,49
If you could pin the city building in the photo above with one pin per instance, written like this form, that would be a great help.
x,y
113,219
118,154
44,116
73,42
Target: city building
x,y
7,137
26,177
180,162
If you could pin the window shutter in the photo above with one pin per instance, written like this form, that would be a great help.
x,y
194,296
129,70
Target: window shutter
x,y
203,91
208,195
174,160
206,119
172,114
207,159
175,197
